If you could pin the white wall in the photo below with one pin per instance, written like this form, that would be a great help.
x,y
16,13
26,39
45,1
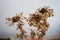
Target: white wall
x,y
9,8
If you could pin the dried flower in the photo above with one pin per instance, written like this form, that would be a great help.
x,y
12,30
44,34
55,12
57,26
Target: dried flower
x,y
37,19
17,19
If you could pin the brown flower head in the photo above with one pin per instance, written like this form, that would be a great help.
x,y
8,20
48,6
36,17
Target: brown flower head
x,y
15,19
39,18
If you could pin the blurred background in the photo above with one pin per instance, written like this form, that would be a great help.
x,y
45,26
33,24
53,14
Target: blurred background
x,y
9,8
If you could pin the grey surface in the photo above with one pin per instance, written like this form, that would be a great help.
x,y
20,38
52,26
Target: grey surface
x,y
9,8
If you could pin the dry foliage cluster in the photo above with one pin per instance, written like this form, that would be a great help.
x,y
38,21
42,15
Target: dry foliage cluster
x,y
37,19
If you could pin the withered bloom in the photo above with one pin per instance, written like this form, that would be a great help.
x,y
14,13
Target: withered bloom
x,y
34,19
15,19
39,20
46,9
